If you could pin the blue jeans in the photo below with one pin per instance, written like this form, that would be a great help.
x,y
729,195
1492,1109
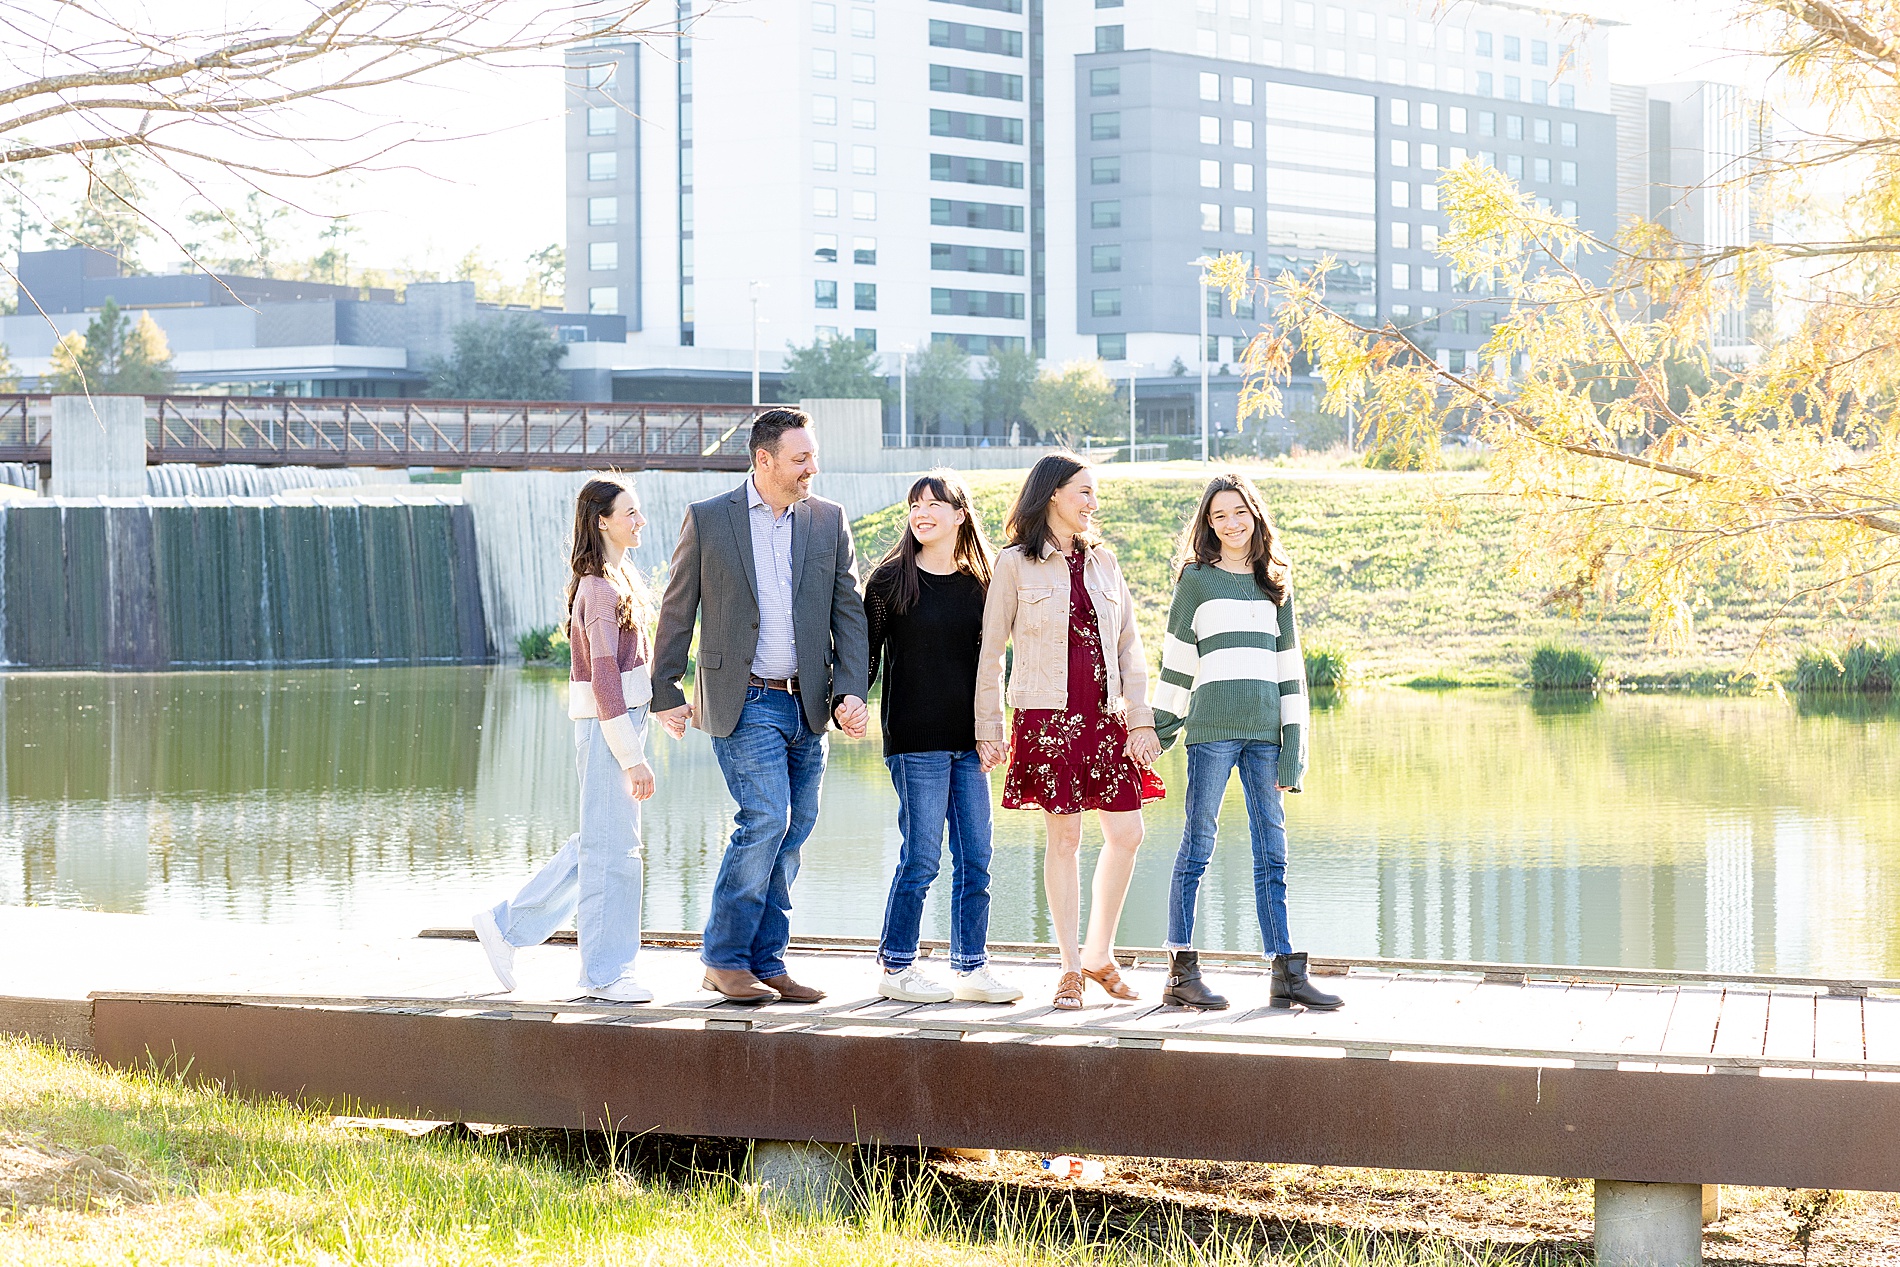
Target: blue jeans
x,y
935,791
596,876
773,764
1209,765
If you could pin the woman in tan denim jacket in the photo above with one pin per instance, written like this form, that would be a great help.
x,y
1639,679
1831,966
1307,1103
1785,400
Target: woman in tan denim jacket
x,y
1083,733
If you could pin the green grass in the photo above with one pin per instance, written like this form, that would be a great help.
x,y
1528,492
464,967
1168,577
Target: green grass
x,y
1326,667
547,645
1411,576
1555,667
1865,668
241,1182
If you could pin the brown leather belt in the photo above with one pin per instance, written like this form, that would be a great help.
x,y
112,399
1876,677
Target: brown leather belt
x,y
787,684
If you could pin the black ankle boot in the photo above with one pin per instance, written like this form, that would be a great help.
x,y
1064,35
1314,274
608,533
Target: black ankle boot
x,y
1290,986
1185,988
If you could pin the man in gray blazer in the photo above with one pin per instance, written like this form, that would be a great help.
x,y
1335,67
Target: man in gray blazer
x,y
770,572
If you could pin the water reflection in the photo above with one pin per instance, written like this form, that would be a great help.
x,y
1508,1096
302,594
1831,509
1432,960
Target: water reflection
x,y
1720,833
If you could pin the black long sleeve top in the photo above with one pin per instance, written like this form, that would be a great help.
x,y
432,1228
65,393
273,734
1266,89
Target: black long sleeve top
x,y
928,656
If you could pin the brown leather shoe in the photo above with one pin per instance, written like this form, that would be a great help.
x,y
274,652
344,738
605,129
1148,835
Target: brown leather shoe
x,y
791,991
737,985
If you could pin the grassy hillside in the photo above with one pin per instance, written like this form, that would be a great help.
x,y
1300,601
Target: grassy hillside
x,y
1376,574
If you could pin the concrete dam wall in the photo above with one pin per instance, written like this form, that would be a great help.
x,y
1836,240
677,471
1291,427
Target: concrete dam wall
x,y
149,583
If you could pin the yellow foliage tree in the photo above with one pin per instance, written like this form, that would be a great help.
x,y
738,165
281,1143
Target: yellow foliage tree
x,y
1641,483
1074,401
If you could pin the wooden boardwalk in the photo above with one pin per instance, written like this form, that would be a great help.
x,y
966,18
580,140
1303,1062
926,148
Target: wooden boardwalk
x,y
1507,1068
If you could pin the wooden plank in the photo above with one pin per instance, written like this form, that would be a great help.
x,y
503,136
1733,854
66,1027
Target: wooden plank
x,y
1880,1018
1790,1033
1634,1019
1693,1020
1839,1031
1743,1025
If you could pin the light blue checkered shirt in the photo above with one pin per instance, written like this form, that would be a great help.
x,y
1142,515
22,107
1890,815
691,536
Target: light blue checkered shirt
x,y
777,653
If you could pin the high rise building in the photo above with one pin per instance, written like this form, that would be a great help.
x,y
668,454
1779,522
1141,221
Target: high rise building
x,y
1010,173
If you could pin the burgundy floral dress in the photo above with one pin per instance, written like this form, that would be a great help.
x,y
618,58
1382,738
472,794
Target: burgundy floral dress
x,y
1066,760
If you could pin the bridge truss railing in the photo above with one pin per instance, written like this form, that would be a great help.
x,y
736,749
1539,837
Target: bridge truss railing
x,y
504,435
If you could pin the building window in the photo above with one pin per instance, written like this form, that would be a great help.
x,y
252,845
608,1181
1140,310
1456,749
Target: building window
x,y
1210,217
1303,15
864,296
1243,177
1428,157
1242,91
603,165
1514,166
863,68
1243,134
1401,154
1513,88
1210,173
1243,219
1106,82
867,338
1207,44
1567,209
1428,116
1210,130
1567,135
1566,173
1428,197
1401,236
1401,112
1108,39
864,23
1513,48
1105,215
1210,86
1455,119
604,299
989,83
864,250
863,205
1513,127
864,160
1540,170
1540,131
1540,53
976,39
1105,259
824,156
824,17
1302,57
1487,123
1483,44
603,257
1401,277
1105,303
824,248
824,293
603,211
1428,236
602,120
824,64
1483,83
1111,347
1428,277
824,202
1106,126
825,333
1105,171
976,171
864,114
824,110
1005,305
1401,193
600,74
1567,96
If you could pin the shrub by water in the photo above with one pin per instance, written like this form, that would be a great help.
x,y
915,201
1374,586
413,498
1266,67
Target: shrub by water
x,y
1865,668
1555,667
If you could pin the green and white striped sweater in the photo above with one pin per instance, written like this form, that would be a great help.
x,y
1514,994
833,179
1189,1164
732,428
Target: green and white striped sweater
x,y
1231,668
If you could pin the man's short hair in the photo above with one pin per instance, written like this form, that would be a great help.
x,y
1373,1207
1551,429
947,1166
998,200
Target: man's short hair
x,y
770,425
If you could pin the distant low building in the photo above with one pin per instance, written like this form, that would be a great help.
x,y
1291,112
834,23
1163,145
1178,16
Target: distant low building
x,y
264,336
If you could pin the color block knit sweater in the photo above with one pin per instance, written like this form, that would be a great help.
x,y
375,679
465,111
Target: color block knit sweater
x,y
1231,668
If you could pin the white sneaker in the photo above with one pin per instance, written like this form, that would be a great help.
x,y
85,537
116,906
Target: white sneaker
x,y
978,986
501,956
911,986
625,990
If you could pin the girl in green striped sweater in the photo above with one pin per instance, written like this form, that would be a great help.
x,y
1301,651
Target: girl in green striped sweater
x,y
1233,677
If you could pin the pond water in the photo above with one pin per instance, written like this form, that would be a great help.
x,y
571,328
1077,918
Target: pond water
x,y
1728,834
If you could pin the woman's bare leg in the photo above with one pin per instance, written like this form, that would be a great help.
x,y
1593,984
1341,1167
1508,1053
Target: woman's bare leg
x,y
1121,837
1062,882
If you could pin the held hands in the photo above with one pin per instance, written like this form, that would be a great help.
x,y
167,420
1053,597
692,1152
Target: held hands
x,y
676,720
1144,747
852,716
640,781
991,753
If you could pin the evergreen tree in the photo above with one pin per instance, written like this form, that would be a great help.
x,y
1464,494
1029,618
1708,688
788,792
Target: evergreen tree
x,y
512,356
1007,379
115,356
107,217
832,369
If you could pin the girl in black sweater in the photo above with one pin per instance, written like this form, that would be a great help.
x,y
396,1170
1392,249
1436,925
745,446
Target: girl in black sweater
x,y
925,607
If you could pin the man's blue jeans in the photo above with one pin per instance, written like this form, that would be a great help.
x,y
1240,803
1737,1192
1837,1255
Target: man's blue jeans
x,y
773,764
1209,766
939,791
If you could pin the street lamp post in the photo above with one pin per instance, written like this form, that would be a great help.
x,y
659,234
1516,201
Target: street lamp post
x,y
1200,292
1132,367
753,287
903,395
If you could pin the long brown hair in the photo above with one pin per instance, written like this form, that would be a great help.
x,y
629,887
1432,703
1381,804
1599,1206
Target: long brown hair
x,y
1199,544
587,555
1028,522
895,576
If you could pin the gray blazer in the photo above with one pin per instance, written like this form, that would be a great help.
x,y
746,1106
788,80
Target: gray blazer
x,y
713,577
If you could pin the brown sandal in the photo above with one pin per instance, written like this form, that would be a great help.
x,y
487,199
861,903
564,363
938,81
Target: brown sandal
x,y
1110,979
1069,992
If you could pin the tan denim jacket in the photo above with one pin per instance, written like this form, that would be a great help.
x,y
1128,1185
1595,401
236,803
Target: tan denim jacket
x,y
1028,606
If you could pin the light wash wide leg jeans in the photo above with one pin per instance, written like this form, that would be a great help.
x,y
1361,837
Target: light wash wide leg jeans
x,y
595,879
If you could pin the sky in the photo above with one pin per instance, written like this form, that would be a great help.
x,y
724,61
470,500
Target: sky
x,y
486,173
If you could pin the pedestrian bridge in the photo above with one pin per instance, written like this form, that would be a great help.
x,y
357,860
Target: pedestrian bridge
x,y
446,434
1653,1083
